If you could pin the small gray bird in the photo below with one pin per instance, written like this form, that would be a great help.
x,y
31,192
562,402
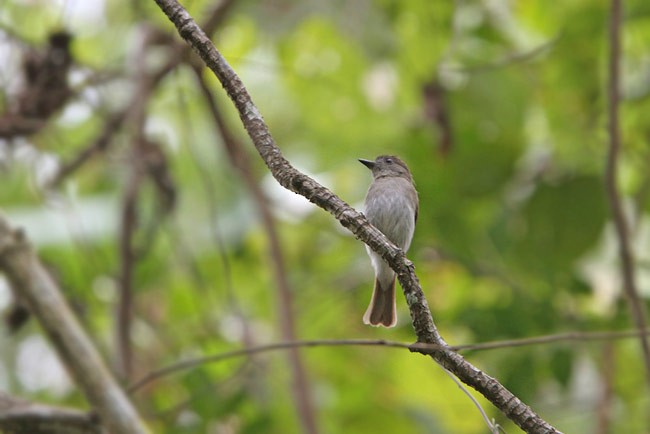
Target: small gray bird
x,y
392,207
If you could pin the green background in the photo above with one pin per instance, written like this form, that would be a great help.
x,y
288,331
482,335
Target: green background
x,y
514,237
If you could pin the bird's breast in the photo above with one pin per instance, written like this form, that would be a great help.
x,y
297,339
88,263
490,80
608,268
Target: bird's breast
x,y
390,207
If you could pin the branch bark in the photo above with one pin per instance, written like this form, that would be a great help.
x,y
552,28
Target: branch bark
x,y
626,255
74,347
354,221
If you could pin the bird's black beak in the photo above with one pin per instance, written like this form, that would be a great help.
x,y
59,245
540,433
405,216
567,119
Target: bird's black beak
x,y
368,163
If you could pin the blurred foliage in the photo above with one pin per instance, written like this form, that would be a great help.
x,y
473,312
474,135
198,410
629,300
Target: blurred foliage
x,y
514,237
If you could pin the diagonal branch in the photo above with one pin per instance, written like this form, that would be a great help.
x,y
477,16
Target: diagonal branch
x,y
354,221
101,143
611,170
74,347
301,390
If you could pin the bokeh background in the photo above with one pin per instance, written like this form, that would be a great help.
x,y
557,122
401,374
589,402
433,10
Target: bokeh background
x,y
499,108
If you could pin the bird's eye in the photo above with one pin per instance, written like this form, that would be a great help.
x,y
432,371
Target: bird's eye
x,y
389,160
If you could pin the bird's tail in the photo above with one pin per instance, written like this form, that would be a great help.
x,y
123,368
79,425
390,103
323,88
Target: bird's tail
x,y
381,311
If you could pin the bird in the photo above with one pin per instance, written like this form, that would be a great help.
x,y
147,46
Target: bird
x,y
392,206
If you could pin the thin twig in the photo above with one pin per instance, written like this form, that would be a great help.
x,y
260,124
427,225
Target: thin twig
x,y
626,255
547,339
605,401
509,60
211,197
239,159
129,215
101,143
494,428
419,347
127,257
198,361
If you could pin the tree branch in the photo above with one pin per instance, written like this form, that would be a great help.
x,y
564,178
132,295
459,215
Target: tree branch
x,y
494,427
101,143
127,264
18,416
354,221
129,212
286,317
15,126
74,347
606,399
626,255
417,347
